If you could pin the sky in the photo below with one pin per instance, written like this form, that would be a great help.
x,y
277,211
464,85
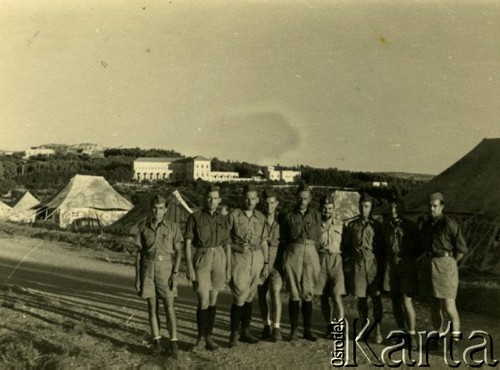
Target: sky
x,y
359,85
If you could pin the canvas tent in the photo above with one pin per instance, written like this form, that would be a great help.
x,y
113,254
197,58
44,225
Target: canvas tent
x,y
24,210
177,211
471,189
347,204
4,211
85,198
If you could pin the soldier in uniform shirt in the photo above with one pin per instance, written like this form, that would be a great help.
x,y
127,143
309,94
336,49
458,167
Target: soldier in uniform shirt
x,y
445,246
157,265
249,263
402,245
332,272
207,263
270,291
363,257
301,234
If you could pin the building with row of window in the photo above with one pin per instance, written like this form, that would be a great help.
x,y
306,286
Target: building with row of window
x,y
199,167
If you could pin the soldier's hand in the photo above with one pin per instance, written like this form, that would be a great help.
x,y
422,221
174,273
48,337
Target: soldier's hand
x,y
265,272
138,285
228,274
190,274
172,281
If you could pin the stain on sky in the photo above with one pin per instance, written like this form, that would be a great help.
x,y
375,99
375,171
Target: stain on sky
x,y
255,136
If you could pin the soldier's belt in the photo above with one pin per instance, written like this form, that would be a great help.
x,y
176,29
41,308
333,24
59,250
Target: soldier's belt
x,y
159,257
209,247
441,253
303,241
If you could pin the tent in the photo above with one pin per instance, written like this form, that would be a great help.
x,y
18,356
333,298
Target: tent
x,y
177,211
471,189
24,210
4,211
86,201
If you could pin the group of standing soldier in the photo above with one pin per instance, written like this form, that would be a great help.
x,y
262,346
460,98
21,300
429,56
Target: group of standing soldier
x,y
310,252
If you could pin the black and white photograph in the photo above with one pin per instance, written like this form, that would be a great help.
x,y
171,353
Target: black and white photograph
x,y
249,184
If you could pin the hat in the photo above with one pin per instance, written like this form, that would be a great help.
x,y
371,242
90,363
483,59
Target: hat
x,y
365,197
327,199
436,196
303,187
249,187
158,199
211,188
268,193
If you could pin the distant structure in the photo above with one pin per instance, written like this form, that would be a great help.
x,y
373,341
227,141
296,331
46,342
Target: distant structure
x,y
288,176
38,150
152,169
92,150
193,168
380,184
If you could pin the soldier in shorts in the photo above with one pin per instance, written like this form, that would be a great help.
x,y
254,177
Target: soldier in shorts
x,y
363,257
270,291
157,266
249,263
444,245
332,272
402,247
301,233
207,263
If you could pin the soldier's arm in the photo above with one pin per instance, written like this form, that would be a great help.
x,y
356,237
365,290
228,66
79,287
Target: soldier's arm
x,y
137,243
178,250
459,241
345,243
188,237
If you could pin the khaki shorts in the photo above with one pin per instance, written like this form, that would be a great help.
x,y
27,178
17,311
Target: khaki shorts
x,y
439,277
154,279
302,268
401,277
364,278
210,268
331,277
246,268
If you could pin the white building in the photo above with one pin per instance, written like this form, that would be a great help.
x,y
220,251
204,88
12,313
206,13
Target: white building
x,y
34,151
152,169
192,168
287,176
221,176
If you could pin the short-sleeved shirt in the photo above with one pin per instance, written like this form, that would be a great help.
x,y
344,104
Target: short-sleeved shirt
x,y
206,230
443,234
331,236
246,230
402,239
272,231
301,226
362,236
158,240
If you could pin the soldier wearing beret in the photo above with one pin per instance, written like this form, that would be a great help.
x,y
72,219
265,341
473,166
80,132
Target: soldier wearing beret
x,y
208,267
402,247
249,263
157,265
363,257
301,235
270,291
445,246
332,273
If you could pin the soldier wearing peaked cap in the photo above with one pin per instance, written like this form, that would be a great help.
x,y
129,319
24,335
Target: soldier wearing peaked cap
x,y
300,235
157,266
445,246
249,263
269,292
332,273
363,257
207,263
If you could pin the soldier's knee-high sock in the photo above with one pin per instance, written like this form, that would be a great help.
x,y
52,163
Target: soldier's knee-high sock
x,y
378,311
212,311
246,316
326,308
307,309
363,310
293,310
202,320
236,312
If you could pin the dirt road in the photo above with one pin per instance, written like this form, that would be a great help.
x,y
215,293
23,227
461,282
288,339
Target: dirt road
x,y
65,306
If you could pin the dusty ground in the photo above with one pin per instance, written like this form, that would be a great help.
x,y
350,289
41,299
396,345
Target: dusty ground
x,y
65,306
